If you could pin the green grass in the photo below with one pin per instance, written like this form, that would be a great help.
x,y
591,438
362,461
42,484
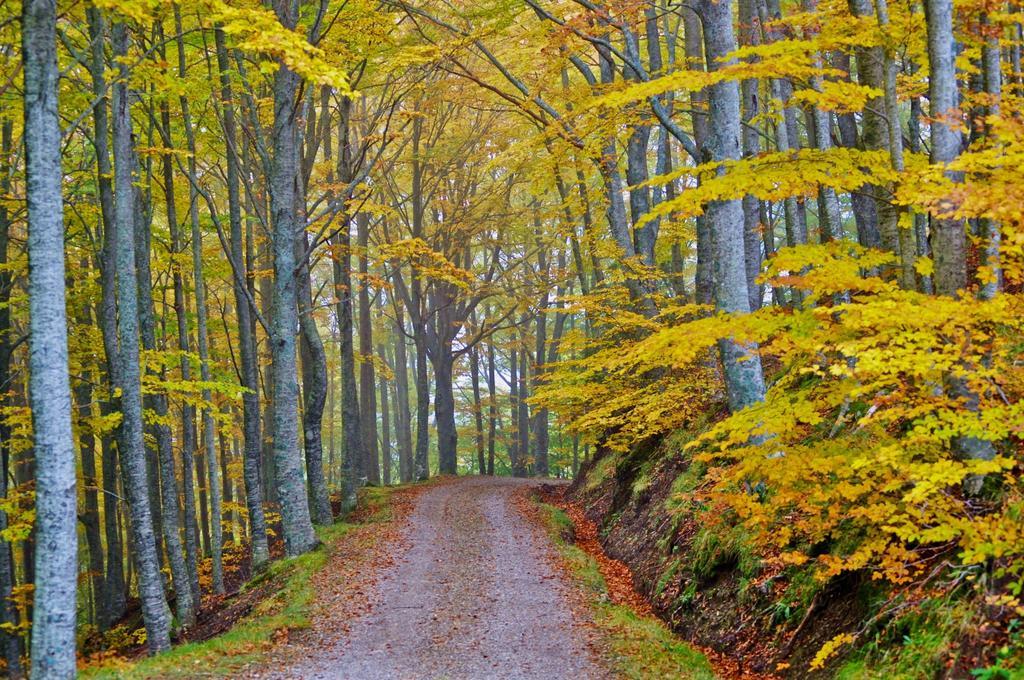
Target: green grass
x,y
288,608
603,469
916,649
639,647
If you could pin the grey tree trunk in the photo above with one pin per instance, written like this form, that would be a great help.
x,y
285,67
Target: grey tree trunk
x,y
53,620
864,210
421,465
419,330
227,491
925,283
351,430
115,589
403,424
311,346
188,420
907,248
291,487
210,457
949,239
744,378
385,423
83,393
342,269
187,596
367,382
830,221
246,327
208,477
518,469
750,35
522,408
314,390
541,439
156,615
478,413
874,131
492,407
992,76
693,48
786,138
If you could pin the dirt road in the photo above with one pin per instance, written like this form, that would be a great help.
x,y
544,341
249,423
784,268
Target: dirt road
x,y
472,595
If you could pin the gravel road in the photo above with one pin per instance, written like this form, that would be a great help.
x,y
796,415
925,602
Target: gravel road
x,y
472,596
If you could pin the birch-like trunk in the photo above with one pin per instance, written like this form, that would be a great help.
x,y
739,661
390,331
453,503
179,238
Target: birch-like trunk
x,y
291,487
246,326
56,566
156,615
744,378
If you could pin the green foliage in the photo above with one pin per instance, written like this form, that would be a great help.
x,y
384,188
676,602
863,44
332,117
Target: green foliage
x,y
916,646
716,547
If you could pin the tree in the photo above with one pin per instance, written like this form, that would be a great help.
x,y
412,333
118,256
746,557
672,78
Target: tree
x,y
53,630
744,377
131,444
291,488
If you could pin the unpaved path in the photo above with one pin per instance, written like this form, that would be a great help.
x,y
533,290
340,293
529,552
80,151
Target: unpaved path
x,y
473,595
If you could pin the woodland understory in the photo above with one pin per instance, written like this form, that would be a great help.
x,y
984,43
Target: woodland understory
x,y
754,266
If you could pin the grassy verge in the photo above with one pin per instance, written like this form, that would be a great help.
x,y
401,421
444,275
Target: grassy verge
x,y
289,607
639,647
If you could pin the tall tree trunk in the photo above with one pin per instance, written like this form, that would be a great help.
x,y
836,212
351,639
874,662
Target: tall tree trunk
x,y
314,390
419,330
351,430
342,270
874,131
907,248
420,458
949,239
246,326
385,423
541,439
291,488
311,346
216,540
693,48
513,416
403,421
492,407
522,409
992,77
830,221
227,494
53,622
750,35
925,283
744,378
132,447
444,409
188,412
864,210
367,382
115,590
478,412
182,563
